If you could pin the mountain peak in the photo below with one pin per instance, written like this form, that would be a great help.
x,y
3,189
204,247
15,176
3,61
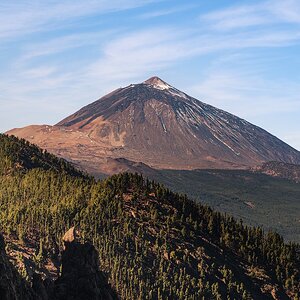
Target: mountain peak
x,y
157,83
157,124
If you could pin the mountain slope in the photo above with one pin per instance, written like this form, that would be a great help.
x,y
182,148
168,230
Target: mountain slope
x,y
152,243
158,125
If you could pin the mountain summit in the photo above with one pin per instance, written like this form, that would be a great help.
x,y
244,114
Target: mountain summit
x,y
156,81
155,123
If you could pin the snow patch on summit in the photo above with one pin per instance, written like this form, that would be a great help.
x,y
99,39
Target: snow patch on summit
x,y
162,86
158,83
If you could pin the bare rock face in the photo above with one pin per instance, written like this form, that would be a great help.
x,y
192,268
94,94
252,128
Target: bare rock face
x,y
71,235
155,123
80,277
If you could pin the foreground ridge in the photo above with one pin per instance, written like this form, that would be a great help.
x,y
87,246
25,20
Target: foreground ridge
x,y
151,242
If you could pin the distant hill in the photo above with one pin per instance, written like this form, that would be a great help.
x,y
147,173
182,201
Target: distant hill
x,y
154,123
151,242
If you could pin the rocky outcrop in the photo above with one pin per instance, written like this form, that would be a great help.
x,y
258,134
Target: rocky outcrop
x,y
71,236
80,277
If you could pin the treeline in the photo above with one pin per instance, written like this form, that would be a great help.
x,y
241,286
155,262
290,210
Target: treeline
x,y
152,243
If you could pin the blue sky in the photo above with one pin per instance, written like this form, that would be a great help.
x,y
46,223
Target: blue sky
x,y
241,56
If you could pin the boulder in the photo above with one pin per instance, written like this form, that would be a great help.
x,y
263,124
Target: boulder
x,y
70,236
80,276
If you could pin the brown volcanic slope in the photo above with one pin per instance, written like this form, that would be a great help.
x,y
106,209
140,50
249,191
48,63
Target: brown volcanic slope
x,y
154,123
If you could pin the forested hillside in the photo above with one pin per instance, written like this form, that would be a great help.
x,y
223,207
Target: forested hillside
x,y
152,243
259,199
280,169
19,155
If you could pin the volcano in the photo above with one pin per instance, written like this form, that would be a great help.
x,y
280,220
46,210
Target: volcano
x,y
154,124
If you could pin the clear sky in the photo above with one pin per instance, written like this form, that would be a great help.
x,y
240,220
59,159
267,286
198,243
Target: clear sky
x,y
242,56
